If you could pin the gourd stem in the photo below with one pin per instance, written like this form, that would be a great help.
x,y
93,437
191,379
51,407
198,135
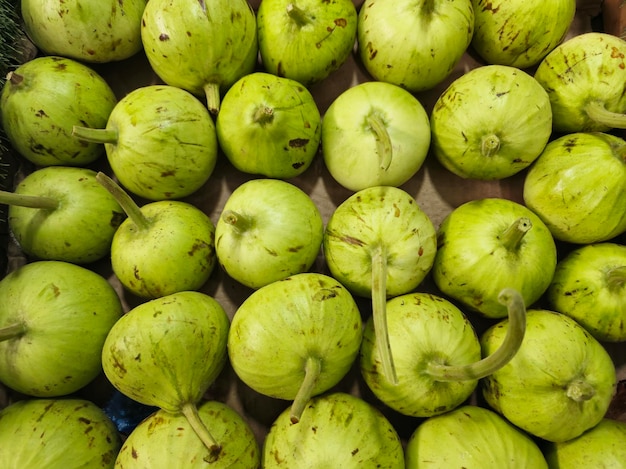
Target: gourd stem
x,y
30,201
263,115
490,145
298,15
597,111
190,411
512,236
238,221
580,390
508,348
312,370
383,141
379,312
124,200
14,78
213,98
12,331
95,135
616,277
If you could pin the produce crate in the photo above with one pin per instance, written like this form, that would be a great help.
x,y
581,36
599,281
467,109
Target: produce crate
x,y
436,190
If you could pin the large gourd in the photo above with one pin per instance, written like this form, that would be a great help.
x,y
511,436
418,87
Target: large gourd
x,y
43,99
94,31
206,49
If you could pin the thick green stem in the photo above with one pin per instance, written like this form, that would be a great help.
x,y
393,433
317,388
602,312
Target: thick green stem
x,y
490,144
312,370
263,115
616,277
580,390
597,111
213,97
95,135
12,331
30,201
507,350
126,202
190,411
379,312
298,15
240,222
513,235
384,147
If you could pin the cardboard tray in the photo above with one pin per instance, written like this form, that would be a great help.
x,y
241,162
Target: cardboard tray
x,y
436,190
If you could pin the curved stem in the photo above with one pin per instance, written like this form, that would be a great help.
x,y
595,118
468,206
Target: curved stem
x,y
580,390
490,144
312,370
616,277
597,111
190,411
297,14
383,141
379,312
126,202
213,98
513,235
238,221
12,331
508,348
30,201
95,135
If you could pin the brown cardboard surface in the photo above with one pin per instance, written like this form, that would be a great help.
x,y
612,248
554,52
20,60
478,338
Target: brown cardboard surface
x,y
614,17
436,190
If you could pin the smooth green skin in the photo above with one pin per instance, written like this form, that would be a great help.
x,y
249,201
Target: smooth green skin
x,y
491,123
269,125
142,355
277,232
67,312
67,433
351,152
471,437
582,289
381,216
419,51
279,326
336,430
519,33
166,146
97,31
80,230
165,440
602,446
422,328
533,390
590,67
175,252
577,186
310,46
471,247
214,42
39,112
